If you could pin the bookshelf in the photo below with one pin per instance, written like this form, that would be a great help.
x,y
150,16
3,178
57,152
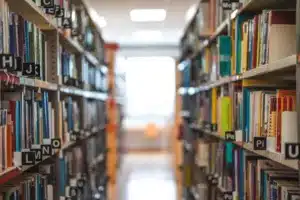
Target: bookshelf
x,y
240,101
53,102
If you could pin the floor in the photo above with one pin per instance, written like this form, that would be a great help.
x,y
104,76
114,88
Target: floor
x,y
146,176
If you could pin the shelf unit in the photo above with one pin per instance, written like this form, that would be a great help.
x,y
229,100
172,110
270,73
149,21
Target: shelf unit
x,y
84,144
196,89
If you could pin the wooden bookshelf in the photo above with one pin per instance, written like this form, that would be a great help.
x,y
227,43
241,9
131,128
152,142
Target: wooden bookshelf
x,y
83,139
246,72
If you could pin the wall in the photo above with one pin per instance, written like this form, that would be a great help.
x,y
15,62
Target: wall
x,y
134,138
154,50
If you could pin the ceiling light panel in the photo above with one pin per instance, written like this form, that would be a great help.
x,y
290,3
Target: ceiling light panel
x,y
148,15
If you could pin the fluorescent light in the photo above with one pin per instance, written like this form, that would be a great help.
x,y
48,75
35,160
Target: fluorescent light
x,y
190,12
100,20
148,15
147,34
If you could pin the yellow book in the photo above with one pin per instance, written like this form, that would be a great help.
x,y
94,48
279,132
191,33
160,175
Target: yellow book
x,y
219,115
226,115
214,105
233,48
245,47
257,82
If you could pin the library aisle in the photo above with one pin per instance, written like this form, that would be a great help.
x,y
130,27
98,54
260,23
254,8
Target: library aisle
x,y
146,176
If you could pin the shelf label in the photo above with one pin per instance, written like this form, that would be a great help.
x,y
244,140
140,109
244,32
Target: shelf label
x,y
212,179
67,22
7,61
80,183
260,143
208,126
31,69
226,5
28,157
214,127
46,149
228,195
56,143
50,10
37,154
73,192
59,12
292,151
74,135
230,136
48,3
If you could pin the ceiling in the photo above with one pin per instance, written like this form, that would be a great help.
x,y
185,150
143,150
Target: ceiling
x,y
120,28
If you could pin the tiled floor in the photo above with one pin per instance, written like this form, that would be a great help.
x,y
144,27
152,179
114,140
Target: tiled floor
x,y
146,177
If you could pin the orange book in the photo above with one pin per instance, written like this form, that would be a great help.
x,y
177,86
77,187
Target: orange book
x,y
279,108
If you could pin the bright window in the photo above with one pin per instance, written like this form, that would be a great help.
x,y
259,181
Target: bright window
x,y
150,90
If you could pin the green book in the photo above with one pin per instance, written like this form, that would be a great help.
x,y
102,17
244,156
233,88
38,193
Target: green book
x,y
224,51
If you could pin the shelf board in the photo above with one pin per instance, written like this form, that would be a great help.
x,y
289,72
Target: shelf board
x,y
83,93
30,11
91,58
70,44
276,157
75,47
95,95
281,65
36,83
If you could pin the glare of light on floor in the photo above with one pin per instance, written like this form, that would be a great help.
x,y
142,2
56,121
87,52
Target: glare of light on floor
x,y
148,188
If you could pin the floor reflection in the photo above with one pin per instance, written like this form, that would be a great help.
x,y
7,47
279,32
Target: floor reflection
x,y
147,177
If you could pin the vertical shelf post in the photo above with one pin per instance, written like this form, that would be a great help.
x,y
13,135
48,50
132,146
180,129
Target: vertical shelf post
x,y
298,71
112,124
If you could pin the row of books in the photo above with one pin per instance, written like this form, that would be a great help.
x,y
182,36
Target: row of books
x,y
94,114
24,51
94,76
29,118
37,188
233,173
252,111
67,177
253,42
75,22
23,46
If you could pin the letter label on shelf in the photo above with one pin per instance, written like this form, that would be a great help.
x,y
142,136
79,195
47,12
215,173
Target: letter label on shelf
x,y
292,151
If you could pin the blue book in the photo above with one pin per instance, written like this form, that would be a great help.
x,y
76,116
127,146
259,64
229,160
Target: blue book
x,y
70,114
45,115
37,187
62,177
26,38
12,35
37,124
241,176
246,111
